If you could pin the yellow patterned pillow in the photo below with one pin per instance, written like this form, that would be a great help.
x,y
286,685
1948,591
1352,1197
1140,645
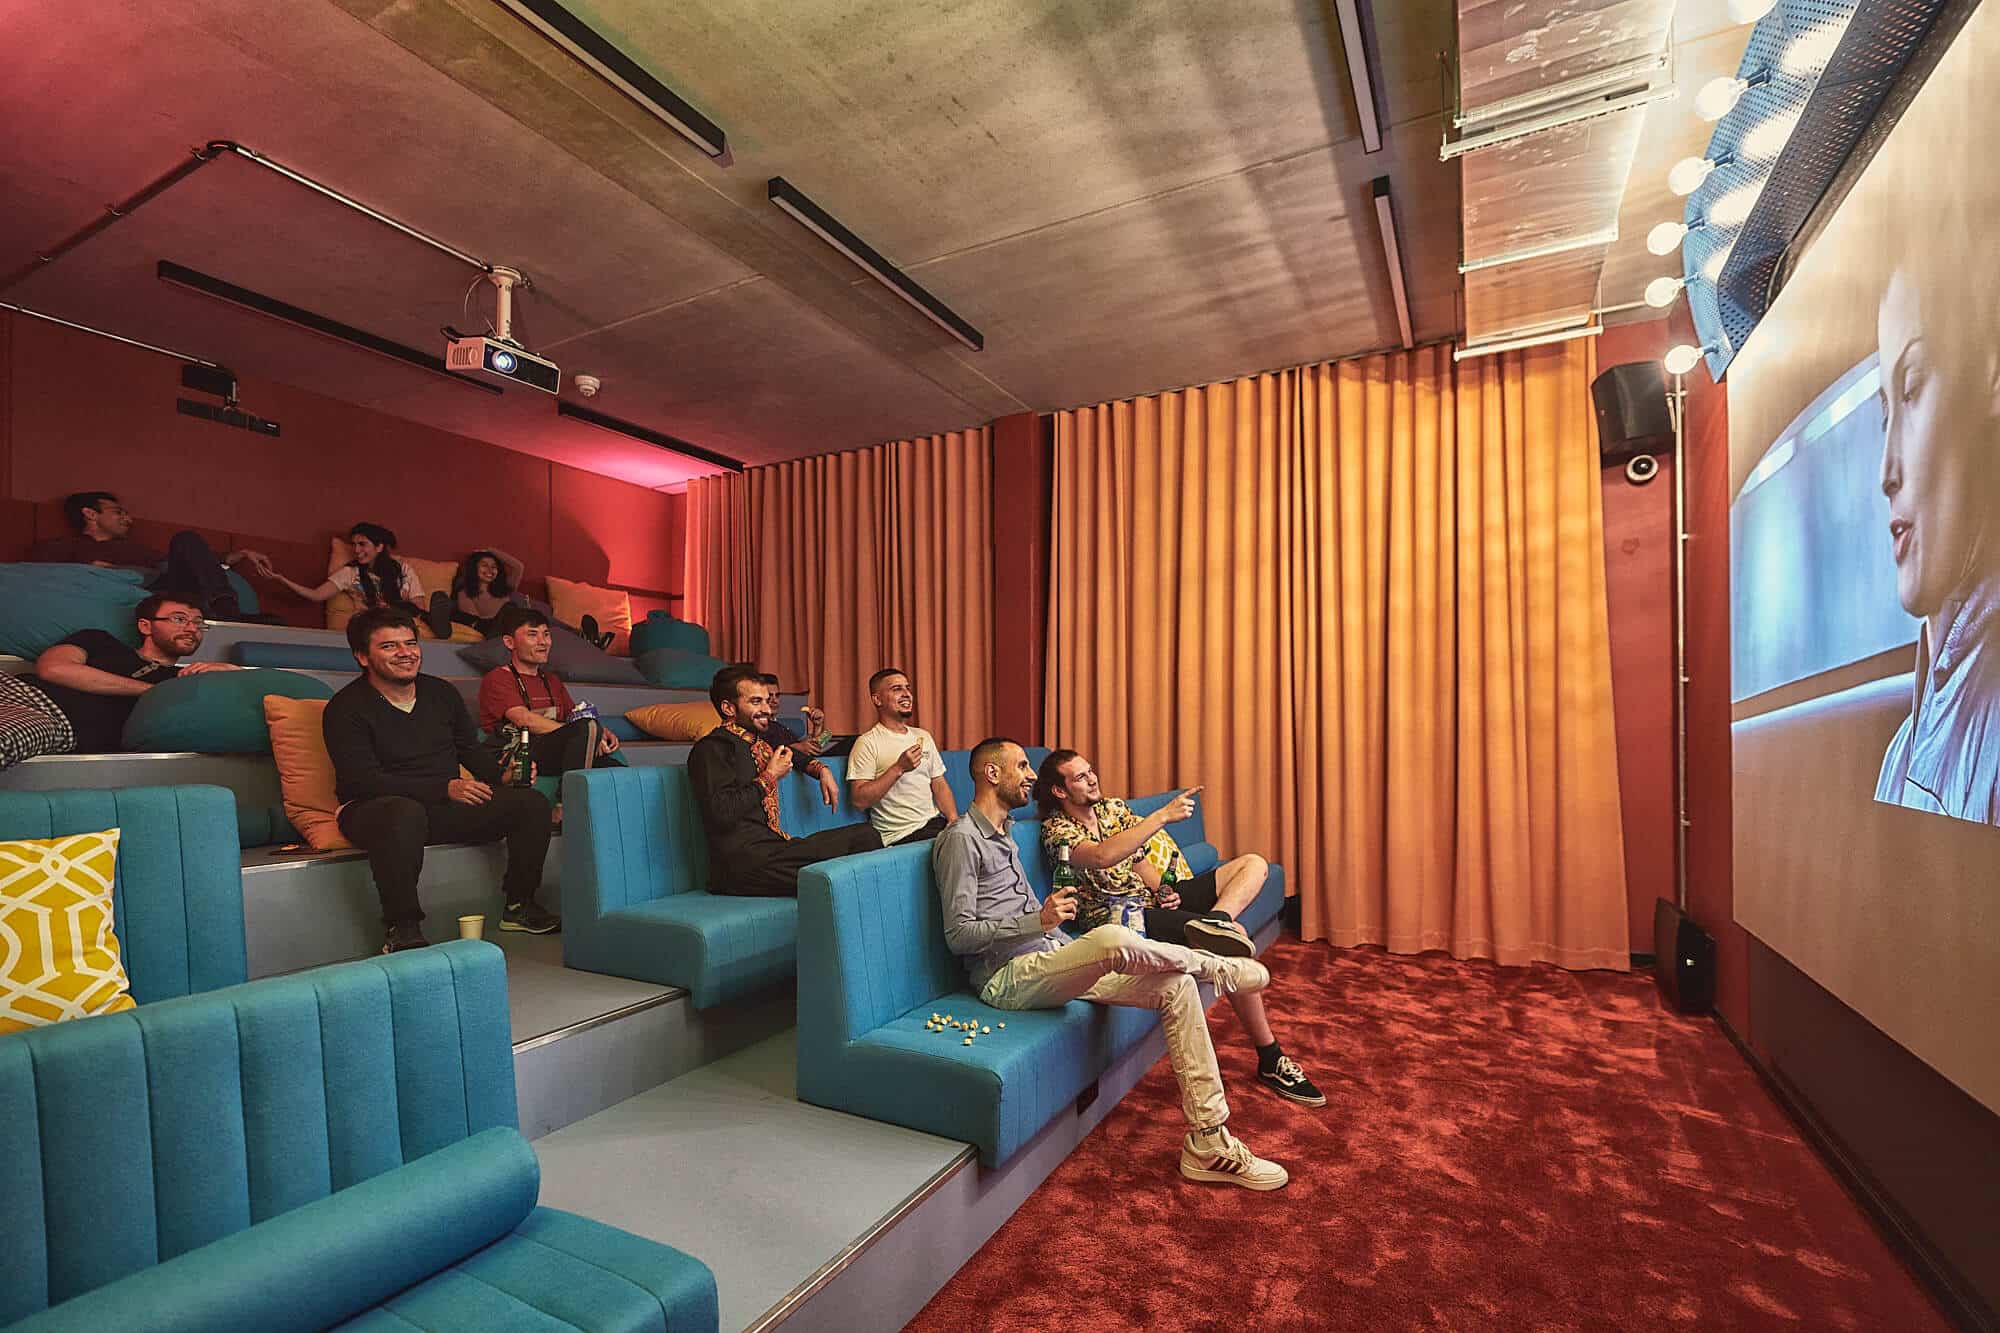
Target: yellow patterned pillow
x,y
58,954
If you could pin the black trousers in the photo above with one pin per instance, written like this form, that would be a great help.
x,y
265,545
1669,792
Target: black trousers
x,y
573,745
193,574
771,869
395,829
1197,900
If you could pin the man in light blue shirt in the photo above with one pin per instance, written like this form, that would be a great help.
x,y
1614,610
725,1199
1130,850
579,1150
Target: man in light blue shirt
x,y
1018,958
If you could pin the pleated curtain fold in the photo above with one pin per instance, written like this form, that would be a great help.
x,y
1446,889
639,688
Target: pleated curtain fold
x,y
825,569
1363,603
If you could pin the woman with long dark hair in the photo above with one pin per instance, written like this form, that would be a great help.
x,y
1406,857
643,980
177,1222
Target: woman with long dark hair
x,y
487,581
376,578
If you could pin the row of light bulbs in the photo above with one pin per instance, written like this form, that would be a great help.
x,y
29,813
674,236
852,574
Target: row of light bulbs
x,y
1806,55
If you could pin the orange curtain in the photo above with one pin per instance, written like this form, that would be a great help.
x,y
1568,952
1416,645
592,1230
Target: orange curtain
x,y
715,567
1363,603
845,563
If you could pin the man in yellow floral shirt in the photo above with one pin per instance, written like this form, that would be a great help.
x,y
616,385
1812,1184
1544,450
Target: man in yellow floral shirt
x,y
1122,856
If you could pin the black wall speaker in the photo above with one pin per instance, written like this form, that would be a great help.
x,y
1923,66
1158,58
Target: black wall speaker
x,y
1683,959
1632,413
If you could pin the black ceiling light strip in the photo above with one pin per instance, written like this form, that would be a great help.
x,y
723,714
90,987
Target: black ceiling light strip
x,y
659,439
622,72
824,225
194,281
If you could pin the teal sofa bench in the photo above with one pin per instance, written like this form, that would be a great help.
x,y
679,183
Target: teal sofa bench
x,y
177,899
636,877
873,968
298,1152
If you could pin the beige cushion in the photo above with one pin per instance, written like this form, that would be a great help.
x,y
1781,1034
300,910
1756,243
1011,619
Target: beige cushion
x,y
611,607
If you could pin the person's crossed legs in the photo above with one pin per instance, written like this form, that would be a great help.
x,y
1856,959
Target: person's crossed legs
x,y
394,831
1116,965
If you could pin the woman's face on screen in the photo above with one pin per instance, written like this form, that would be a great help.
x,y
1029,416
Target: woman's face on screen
x,y
1940,438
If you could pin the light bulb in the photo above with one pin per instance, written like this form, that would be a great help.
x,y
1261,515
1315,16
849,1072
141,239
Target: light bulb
x,y
1749,11
1688,174
1660,292
1718,97
1682,359
1662,239
1769,137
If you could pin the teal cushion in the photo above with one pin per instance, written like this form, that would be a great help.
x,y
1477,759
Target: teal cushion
x,y
246,596
678,669
48,603
662,629
216,712
331,1258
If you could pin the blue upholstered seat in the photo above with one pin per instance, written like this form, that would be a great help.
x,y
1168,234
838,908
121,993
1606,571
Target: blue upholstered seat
x,y
635,881
295,1152
873,968
177,902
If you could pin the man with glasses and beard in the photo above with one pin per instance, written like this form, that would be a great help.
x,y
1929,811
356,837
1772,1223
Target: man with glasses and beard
x,y
85,687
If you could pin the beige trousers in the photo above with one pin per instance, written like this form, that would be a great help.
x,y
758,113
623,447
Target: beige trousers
x,y
1115,965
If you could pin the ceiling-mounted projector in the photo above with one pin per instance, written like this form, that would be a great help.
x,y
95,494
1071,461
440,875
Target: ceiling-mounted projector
x,y
502,360
497,354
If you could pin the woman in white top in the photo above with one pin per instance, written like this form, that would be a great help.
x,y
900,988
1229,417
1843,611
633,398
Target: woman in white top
x,y
376,577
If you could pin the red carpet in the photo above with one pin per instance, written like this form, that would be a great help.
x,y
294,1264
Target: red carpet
x,y
1502,1148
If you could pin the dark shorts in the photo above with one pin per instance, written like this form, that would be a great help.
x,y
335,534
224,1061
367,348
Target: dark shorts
x,y
1197,900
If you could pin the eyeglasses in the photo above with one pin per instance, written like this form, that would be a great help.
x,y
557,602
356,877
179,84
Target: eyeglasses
x,y
184,620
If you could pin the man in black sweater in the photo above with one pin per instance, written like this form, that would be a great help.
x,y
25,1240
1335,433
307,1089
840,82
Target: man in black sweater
x,y
397,739
735,774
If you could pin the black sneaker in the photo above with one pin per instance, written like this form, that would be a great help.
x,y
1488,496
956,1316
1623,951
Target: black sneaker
x,y
1223,937
531,917
587,627
438,617
404,937
1290,1082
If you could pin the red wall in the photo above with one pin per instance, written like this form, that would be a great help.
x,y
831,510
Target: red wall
x,y
1023,446
102,416
1638,577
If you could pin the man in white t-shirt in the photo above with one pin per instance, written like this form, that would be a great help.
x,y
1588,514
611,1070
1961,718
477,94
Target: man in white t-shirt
x,y
895,772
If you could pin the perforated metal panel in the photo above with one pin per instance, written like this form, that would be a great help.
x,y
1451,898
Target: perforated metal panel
x,y
1730,267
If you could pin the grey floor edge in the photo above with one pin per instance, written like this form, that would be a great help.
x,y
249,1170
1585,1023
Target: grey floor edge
x,y
884,1285
580,1073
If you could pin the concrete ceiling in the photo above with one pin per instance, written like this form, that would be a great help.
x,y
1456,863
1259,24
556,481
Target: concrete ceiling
x,y
1123,195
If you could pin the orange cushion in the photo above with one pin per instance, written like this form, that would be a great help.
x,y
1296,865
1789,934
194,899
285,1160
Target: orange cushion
x,y
675,722
611,606
305,770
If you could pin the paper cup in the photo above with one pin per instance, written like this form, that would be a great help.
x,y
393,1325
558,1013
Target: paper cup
x,y
472,927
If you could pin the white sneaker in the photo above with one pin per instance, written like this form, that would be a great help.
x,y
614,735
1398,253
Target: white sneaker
x,y
1230,975
1226,1158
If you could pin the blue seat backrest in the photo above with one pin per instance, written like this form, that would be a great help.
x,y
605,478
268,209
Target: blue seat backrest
x,y
803,811
639,832
877,948
135,1137
177,901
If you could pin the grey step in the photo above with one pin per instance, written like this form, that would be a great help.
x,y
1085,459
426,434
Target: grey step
x,y
302,912
584,1042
